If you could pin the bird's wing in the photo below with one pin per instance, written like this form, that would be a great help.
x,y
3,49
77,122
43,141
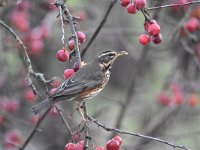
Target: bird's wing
x,y
75,85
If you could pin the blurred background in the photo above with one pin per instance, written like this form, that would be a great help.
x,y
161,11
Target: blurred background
x,y
154,90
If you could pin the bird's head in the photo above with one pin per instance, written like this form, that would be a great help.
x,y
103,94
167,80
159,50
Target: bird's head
x,y
107,57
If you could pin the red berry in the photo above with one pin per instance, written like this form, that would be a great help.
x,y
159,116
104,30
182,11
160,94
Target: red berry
x,y
79,146
44,30
76,135
178,98
20,20
52,91
156,39
163,99
118,138
193,100
11,139
81,37
29,96
154,29
81,14
71,45
81,143
10,105
131,8
124,3
35,47
76,67
35,118
100,148
112,145
148,23
53,112
69,146
144,39
56,83
140,4
192,24
68,73
62,55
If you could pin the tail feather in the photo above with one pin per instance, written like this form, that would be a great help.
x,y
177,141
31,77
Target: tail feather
x,y
45,104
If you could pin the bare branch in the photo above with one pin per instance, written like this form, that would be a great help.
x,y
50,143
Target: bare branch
x,y
148,138
65,122
173,5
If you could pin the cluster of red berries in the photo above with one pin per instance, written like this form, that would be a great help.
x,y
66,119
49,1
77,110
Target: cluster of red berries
x,y
192,24
113,144
152,33
34,38
177,97
9,105
151,26
133,7
63,55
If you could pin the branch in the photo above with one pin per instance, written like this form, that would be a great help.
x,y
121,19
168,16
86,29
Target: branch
x,y
83,51
136,134
65,122
87,137
62,25
33,131
72,26
174,5
27,62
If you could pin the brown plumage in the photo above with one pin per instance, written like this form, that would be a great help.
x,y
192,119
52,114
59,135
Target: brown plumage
x,y
87,82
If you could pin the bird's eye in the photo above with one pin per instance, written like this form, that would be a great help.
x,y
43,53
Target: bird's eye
x,y
110,55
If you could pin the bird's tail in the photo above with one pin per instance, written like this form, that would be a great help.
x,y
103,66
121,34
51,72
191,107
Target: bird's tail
x,y
43,105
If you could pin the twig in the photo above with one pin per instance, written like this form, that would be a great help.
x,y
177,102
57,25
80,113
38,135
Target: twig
x,y
62,25
33,131
83,51
174,5
87,137
65,122
136,134
27,62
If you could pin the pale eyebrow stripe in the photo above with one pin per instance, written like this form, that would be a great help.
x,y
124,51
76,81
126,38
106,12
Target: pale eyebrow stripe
x,y
106,54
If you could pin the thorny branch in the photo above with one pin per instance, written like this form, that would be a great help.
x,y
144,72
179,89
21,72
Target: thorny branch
x,y
27,63
136,134
174,5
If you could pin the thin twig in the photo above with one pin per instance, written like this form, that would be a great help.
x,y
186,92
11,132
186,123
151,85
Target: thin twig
x,y
136,134
33,131
174,5
83,51
87,137
65,122
62,25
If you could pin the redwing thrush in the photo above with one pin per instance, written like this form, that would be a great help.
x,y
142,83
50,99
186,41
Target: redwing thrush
x,y
87,82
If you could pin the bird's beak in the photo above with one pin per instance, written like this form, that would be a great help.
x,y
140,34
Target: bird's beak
x,y
121,53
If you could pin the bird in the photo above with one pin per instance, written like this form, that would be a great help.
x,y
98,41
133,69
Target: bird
x,y
84,84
